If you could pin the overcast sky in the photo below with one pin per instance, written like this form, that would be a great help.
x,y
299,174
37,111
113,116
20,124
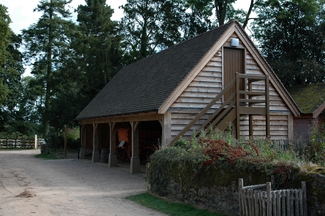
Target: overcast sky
x,y
22,15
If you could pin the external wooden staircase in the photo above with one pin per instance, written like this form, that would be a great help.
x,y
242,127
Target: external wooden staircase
x,y
240,102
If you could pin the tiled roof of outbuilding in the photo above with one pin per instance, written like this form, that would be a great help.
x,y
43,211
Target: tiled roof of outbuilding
x,y
145,85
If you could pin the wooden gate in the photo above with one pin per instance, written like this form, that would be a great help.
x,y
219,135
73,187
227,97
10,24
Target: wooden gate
x,y
261,200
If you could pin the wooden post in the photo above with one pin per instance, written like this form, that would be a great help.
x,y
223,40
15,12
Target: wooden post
x,y
250,117
135,159
83,134
304,197
65,141
166,129
240,197
268,197
95,155
237,106
267,107
35,141
112,157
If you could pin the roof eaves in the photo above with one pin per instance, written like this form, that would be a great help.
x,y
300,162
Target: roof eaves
x,y
117,115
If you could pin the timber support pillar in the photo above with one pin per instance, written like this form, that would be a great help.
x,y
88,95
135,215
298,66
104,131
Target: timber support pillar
x,y
112,158
95,155
135,159
82,152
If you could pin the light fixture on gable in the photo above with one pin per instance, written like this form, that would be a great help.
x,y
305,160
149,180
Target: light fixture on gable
x,y
234,42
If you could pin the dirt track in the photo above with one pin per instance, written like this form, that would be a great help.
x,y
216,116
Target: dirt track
x,y
31,186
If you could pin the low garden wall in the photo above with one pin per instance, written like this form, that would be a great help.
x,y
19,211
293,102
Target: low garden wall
x,y
215,187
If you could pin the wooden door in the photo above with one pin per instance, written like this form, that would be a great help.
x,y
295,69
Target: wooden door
x,y
234,61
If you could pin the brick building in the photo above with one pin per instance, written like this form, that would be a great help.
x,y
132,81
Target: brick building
x,y
311,101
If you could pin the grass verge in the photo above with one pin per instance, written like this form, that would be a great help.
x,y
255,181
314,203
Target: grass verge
x,y
170,208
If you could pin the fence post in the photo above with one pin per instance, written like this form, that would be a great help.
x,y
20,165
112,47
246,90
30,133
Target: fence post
x,y
240,198
35,141
268,195
304,197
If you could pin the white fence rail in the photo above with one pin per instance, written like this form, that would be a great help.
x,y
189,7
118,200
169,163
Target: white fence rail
x,y
263,201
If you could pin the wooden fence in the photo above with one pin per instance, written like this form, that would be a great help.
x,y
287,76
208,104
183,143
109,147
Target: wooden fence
x,y
263,201
25,143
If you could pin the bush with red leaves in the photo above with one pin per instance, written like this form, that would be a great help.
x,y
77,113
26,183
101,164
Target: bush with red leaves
x,y
220,149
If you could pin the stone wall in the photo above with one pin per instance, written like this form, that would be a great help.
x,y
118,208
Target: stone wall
x,y
220,199
217,189
316,195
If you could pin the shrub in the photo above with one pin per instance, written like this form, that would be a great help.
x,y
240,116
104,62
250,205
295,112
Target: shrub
x,y
213,148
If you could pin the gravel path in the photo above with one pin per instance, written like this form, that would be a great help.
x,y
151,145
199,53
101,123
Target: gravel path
x,y
31,186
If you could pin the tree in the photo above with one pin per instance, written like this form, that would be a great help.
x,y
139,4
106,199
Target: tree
x,y
97,46
150,26
11,69
5,34
91,61
46,45
223,10
291,35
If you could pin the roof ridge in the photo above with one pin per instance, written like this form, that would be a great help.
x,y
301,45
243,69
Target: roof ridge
x,y
186,41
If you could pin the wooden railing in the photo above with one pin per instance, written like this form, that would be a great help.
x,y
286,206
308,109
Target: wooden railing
x,y
23,143
262,200
238,103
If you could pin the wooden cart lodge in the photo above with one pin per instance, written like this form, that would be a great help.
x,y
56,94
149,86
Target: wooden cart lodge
x,y
216,78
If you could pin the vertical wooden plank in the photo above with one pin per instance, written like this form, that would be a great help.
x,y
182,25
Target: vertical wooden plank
x,y
251,202
283,193
237,107
301,204
240,195
278,202
288,202
264,203
246,203
252,210
267,104
273,198
255,202
268,204
296,203
304,194
250,117
291,203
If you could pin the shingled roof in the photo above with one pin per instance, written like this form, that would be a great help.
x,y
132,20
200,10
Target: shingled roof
x,y
144,85
310,98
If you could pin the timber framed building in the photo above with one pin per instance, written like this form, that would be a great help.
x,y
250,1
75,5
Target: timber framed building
x,y
216,78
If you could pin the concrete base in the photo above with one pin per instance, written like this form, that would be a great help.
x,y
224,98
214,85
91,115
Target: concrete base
x,y
135,165
95,156
112,160
104,156
82,153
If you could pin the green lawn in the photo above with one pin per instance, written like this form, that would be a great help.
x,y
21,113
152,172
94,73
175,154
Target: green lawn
x,y
170,208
